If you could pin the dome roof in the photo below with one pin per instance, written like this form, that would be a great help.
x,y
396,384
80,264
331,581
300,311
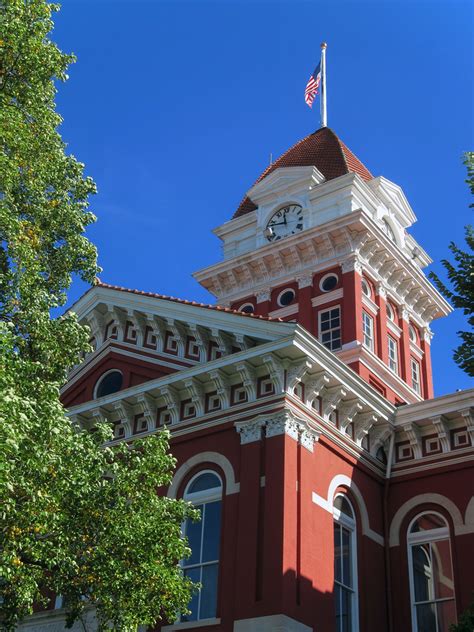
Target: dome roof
x,y
323,150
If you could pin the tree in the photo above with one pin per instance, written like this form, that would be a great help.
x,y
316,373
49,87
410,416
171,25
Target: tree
x,y
461,278
77,518
466,622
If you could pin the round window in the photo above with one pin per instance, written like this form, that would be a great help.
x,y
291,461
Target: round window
x,y
366,288
247,308
286,297
328,282
110,383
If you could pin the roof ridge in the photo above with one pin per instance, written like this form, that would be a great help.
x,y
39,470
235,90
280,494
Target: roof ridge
x,y
183,301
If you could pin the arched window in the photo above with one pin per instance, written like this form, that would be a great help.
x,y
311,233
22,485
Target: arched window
x,y
345,566
205,492
431,574
388,230
109,383
366,288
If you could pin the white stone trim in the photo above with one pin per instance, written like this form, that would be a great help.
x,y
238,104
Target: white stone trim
x,y
328,504
434,499
281,312
231,487
335,295
272,623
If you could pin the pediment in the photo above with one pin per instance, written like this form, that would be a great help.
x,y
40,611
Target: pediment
x,y
393,197
147,336
280,180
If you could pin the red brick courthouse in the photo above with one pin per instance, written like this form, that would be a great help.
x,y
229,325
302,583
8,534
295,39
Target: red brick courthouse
x,y
337,493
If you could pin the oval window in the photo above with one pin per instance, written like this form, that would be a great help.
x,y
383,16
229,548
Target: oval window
x,y
286,297
110,383
329,282
247,308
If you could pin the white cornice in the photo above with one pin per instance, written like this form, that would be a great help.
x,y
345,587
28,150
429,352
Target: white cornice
x,y
454,402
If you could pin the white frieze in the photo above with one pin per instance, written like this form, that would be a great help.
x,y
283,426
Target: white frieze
x,y
250,431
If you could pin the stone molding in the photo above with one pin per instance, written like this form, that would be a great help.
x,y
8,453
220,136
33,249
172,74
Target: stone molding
x,y
275,425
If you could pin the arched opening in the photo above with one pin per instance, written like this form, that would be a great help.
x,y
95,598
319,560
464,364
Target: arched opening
x,y
345,565
109,383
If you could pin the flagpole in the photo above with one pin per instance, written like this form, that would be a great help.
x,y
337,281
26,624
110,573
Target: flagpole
x,y
324,112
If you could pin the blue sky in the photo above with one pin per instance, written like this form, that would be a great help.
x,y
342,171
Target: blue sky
x,y
176,106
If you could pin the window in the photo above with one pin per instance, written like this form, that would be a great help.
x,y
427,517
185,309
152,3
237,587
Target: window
x,y
109,383
286,297
345,566
431,574
390,313
366,288
412,334
328,282
392,354
205,492
330,328
368,330
247,308
415,376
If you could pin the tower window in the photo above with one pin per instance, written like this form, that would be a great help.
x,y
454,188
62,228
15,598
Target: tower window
x,y
109,383
431,574
330,328
247,308
345,565
392,354
368,330
415,376
328,282
205,492
366,288
286,297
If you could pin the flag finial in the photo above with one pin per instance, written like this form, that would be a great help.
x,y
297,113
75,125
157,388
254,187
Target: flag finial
x,y
324,113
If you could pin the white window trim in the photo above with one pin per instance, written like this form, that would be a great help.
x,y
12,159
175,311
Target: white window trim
x,y
422,537
324,311
351,525
326,276
394,360
413,363
280,294
100,380
370,347
241,308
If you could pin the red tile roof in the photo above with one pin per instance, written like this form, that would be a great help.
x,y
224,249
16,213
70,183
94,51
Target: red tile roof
x,y
218,308
323,150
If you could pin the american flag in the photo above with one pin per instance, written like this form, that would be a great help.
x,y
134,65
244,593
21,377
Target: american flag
x,y
313,85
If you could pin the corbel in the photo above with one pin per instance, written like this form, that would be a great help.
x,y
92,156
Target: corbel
x,y
295,373
241,341
368,249
142,324
379,435
414,437
202,339
97,325
442,429
315,386
178,331
331,399
196,391
468,416
347,411
247,375
172,401
362,424
223,341
329,245
148,408
276,371
127,415
120,319
222,386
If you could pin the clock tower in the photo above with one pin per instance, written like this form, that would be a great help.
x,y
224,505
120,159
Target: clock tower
x,y
321,241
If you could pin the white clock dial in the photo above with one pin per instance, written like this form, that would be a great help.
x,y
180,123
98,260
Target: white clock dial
x,y
285,222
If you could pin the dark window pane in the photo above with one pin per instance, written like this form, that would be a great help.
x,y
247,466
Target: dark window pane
x,y
428,521
193,533
324,316
325,326
326,337
212,531
345,624
111,383
203,482
346,558
422,573
426,618
337,553
329,283
195,575
208,608
287,297
446,615
442,569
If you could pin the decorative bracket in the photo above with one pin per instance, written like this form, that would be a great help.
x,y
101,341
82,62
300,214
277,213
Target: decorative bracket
x,y
172,400
197,394
414,437
126,414
315,386
247,375
362,424
275,369
147,406
222,386
331,399
441,426
347,411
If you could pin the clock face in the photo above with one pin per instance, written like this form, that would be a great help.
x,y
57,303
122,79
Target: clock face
x,y
285,222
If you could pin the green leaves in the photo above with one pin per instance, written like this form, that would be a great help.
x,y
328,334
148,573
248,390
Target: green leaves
x,y
461,283
76,518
